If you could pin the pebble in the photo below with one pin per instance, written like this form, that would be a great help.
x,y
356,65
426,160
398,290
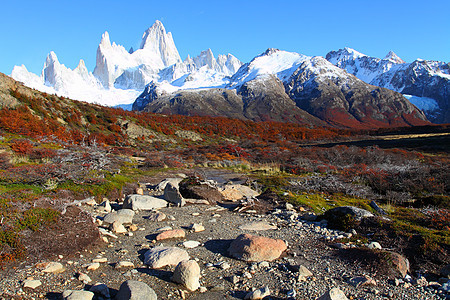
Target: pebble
x,y
191,244
31,283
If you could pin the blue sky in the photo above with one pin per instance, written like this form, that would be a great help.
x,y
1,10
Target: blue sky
x,y
29,30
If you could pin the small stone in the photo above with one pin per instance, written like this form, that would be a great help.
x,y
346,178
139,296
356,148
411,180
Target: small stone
x,y
202,289
51,267
362,281
157,217
139,191
105,205
259,293
374,245
171,234
133,227
191,244
197,227
333,294
222,265
31,283
187,273
117,227
84,278
165,228
303,273
92,266
263,264
257,226
100,260
124,264
234,279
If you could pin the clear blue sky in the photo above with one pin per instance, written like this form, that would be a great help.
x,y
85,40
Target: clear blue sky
x,y
30,29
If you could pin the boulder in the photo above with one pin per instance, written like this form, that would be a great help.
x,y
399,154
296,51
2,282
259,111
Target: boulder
x,y
162,185
171,234
160,256
357,213
77,295
187,273
123,216
399,262
236,192
333,294
200,191
172,194
100,289
248,247
143,202
135,290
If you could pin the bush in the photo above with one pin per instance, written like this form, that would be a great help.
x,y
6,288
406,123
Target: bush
x,y
21,147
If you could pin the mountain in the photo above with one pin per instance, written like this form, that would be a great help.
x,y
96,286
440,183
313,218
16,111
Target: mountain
x,y
425,83
287,86
120,75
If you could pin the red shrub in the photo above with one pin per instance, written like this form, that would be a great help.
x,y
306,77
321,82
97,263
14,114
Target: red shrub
x,y
21,147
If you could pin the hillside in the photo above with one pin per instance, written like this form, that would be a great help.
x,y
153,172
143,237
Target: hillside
x,y
64,163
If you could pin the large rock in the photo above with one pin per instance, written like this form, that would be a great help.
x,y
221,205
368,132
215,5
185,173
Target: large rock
x,y
256,248
399,262
357,213
135,290
174,181
200,191
333,294
172,194
123,216
160,256
77,295
187,273
143,202
236,192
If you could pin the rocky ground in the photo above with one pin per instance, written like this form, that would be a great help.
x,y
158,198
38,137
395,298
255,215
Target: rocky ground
x,y
312,265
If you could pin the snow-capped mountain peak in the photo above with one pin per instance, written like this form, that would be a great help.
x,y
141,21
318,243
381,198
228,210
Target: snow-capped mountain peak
x,y
105,42
160,43
392,57
272,61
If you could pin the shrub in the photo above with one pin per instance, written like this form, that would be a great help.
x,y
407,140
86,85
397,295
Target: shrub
x,y
21,147
36,217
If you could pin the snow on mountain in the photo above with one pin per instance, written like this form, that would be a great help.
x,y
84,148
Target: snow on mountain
x,y
273,61
392,57
120,75
422,78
